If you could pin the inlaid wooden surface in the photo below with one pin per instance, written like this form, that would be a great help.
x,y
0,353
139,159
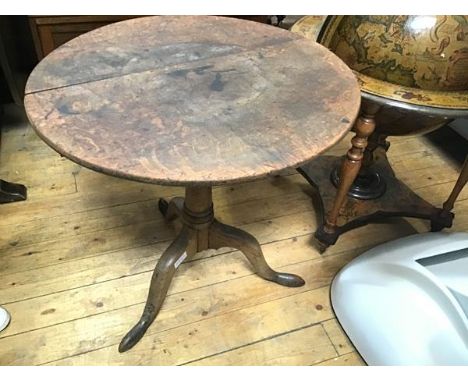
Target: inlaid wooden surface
x,y
76,259
191,100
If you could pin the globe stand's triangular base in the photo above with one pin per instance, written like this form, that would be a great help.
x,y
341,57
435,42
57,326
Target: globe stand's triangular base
x,y
398,200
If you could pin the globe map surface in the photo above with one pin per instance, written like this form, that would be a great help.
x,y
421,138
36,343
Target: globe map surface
x,y
418,60
426,52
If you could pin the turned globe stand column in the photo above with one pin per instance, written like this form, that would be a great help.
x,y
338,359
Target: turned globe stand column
x,y
369,182
200,231
349,171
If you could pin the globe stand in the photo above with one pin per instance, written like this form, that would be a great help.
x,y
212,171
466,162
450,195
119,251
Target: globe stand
x,y
397,200
365,189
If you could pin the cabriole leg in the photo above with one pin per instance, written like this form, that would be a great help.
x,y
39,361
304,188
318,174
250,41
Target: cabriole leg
x,y
160,281
222,235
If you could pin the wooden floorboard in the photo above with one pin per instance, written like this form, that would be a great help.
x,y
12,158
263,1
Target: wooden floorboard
x,y
76,259
350,359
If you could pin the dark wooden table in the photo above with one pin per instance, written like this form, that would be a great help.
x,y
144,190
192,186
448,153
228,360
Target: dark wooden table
x,y
192,101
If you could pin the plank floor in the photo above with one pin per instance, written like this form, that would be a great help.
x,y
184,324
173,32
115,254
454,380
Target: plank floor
x,y
76,259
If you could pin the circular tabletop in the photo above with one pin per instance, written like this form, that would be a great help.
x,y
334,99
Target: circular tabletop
x,y
191,100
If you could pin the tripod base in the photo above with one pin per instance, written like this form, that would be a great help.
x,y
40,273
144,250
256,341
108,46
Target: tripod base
x,y
200,231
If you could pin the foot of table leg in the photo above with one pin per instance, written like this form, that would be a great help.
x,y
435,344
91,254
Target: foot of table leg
x,y
11,192
162,277
222,235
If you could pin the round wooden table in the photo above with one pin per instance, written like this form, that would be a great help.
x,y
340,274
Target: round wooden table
x,y
193,101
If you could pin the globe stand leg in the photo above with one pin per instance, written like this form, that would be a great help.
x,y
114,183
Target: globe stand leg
x,y
445,216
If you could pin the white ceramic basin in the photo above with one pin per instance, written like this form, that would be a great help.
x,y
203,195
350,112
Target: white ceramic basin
x,y
4,318
406,302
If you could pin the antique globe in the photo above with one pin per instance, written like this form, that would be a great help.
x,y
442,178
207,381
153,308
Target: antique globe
x,y
411,63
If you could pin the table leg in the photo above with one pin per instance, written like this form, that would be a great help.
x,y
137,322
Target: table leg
x,y
200,231
173,209
222,235
160,281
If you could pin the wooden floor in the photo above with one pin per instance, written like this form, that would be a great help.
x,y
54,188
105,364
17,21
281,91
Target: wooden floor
x,y
76,259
